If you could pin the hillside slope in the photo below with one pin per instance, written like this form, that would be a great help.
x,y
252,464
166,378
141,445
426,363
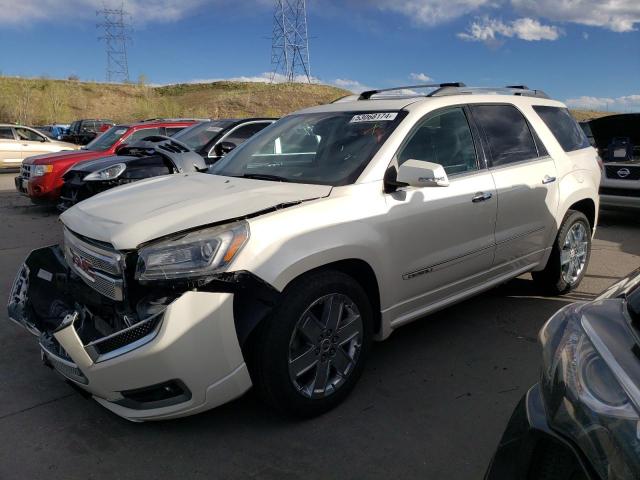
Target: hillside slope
x,y
41,101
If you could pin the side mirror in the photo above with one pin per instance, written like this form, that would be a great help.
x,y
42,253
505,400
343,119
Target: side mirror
x,y
223,148
418,173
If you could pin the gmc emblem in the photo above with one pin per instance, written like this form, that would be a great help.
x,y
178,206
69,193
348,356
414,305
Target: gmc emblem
x,y
83,264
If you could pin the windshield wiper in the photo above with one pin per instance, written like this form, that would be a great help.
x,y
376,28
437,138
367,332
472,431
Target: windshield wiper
x,y
263,176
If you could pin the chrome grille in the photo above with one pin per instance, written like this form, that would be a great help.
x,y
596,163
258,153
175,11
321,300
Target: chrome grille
x,y
100,268
25,171
64,366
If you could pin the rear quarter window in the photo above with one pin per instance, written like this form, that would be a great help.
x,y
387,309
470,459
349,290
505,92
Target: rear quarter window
x,y
564,127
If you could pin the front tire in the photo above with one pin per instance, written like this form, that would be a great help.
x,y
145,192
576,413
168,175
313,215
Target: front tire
x,y
308,355
569,257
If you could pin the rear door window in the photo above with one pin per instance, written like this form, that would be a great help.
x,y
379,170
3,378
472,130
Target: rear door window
x,y
6,133
506,132
564,127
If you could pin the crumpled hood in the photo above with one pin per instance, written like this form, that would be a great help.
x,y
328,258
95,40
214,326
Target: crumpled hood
x,y
129,215
71,156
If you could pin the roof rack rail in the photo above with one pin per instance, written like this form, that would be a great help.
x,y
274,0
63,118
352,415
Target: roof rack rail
x,y
459,88
369,93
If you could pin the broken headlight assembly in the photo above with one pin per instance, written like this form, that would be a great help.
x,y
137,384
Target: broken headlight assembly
x,y
192,255
106,174
589,397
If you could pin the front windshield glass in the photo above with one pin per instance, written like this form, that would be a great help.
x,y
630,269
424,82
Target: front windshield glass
x,y
200,134
330,148
107,139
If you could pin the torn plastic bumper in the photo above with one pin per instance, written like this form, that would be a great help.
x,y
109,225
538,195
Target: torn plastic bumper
x,y
183,357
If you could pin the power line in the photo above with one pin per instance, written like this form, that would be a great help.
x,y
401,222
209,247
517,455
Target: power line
x,y
289,41
116,34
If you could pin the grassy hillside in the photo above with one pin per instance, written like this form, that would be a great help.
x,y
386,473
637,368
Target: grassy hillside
x,y
40,101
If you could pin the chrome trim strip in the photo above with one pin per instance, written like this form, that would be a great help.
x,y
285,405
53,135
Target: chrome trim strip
x,y
97,358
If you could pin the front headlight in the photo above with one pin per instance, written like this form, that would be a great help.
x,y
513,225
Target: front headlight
x,y
40,170
586,392
109,173
193,255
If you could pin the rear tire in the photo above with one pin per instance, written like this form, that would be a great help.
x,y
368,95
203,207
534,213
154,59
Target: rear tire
x,y
303,360
569,257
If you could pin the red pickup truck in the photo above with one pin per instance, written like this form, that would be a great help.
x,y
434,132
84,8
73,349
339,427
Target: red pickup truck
x,y
41,175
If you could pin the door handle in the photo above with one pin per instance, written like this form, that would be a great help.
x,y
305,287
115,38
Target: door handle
x,y
548,179
481,197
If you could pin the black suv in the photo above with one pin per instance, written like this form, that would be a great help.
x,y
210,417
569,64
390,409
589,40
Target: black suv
x,y
82,132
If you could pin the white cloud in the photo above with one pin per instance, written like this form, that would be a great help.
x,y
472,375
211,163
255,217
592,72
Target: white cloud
x,y
616,15
617,104
420,77
489,30
353,85
430,12
265,77
19,12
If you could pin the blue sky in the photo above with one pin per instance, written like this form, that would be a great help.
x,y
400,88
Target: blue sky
x,y
585,52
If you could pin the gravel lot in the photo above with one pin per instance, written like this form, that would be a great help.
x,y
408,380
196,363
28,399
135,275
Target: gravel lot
x,y
432,402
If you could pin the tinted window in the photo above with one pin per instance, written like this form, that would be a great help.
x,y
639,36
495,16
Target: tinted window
x,y
244,132
564,127
200,134
29,135
107,139
6,133
170,131
444,139
141,134
507,133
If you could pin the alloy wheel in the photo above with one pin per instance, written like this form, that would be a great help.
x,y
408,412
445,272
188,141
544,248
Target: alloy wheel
x,y
573,256
325,345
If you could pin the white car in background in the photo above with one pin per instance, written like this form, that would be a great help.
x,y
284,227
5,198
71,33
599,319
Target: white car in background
x,y
330,228
18,142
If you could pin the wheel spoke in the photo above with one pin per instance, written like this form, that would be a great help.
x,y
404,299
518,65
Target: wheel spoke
x,y
350,330
581,249
304,362
321,379
565,257
332,312
341,362
311,328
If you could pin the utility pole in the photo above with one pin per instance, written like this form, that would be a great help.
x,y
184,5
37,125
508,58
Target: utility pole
x,y
290,41
115,35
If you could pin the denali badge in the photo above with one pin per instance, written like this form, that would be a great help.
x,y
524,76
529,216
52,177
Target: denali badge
x,y
623,172
83,264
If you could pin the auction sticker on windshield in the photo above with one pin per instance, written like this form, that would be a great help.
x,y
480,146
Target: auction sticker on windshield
x,y
374,117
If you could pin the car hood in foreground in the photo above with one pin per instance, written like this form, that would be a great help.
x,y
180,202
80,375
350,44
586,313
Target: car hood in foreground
x,y
133,214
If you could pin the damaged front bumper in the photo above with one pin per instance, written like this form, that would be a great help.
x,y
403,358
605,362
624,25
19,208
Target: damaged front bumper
x,y
180,357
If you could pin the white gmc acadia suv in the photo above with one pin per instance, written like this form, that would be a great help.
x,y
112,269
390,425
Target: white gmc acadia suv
x,y
327,230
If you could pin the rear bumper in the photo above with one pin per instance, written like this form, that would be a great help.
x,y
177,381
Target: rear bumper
x,y
528,429
189,360
619,201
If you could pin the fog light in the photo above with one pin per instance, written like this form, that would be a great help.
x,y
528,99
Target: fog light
x,y
160,395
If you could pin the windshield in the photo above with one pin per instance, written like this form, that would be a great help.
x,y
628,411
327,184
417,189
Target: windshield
x,y
199,135
107,139
330,148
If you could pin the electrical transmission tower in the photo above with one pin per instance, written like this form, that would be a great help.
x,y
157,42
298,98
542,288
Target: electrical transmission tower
x,y
116,35
289,41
